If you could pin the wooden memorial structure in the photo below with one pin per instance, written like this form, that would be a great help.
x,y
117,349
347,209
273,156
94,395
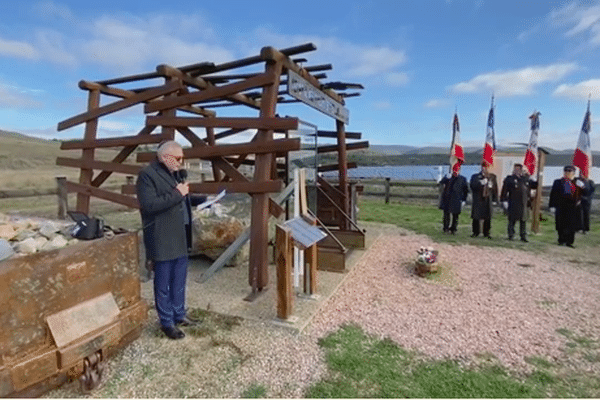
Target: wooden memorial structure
x,y
186,99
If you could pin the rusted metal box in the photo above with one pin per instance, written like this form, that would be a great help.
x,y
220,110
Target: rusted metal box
x,y
60,309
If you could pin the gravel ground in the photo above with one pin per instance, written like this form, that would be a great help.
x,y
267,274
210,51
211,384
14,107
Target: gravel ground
x,y
486,301
504,302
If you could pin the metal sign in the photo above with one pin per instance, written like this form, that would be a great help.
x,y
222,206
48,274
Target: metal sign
x,y
306,92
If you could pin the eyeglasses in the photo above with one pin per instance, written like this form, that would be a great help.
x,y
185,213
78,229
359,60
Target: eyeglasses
x,y
176,158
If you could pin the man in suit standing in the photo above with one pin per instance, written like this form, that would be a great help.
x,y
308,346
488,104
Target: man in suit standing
x,y
165,209
587,192
564,198
454,194
515,197
485,191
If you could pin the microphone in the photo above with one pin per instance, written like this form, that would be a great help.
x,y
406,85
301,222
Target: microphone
x,y
181,175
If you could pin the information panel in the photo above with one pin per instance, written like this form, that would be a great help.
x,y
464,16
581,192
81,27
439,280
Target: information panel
x,y
306,92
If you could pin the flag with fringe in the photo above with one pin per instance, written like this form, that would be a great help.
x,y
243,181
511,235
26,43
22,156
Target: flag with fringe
x,y
490,138
457,155
582,158
531,153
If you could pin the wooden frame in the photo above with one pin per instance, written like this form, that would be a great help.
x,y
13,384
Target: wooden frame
x,y
194,89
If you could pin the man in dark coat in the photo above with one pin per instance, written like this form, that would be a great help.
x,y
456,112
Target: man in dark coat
x,y
166,217
454,193
564,197
484,187
515,196
587,192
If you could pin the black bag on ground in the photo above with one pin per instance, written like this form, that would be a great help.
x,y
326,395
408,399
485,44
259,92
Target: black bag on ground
x,y
86,228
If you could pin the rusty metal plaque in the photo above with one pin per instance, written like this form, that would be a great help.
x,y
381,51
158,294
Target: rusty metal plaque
x,y
73,323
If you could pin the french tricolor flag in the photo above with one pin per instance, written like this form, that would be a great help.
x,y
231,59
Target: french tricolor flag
x,y
490,138
457,155
532,148
582,158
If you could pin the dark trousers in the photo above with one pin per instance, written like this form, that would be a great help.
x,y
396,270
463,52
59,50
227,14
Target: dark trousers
x,y
585,216
566,236
446,221
169,290
487,225
522,228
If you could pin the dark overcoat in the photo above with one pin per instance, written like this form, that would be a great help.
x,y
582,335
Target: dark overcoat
x,y
516,191
454,192
482,205
162,209
564,199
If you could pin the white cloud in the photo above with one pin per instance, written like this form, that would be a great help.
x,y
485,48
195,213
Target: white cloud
x,y
580,19
51,10
15,97
581,90
437,103
514,82
356,61
12,48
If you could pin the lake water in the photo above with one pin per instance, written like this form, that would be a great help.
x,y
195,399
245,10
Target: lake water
x,y
435,172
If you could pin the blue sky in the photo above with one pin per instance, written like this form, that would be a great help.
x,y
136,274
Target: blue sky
x,y
418,61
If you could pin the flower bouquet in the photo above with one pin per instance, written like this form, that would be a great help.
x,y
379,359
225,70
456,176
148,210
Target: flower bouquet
x,y
426,261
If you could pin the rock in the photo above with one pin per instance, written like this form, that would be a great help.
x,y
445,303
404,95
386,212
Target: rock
x,y
3,218
6,251
49,229
57,242
7,231
27,246
212,235
26,224
72,241
40,241
24,234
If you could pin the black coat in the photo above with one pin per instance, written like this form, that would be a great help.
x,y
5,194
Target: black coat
x,y
587,192
516,190
454,192
482,205
162,209
564,200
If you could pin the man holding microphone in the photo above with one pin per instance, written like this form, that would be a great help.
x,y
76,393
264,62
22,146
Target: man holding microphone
x,y
166,214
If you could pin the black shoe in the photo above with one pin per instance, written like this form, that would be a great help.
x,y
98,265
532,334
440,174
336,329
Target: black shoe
x,y
561,243
172,332
510,238
474,235
488,236
453,232
188,321
570,245
524,240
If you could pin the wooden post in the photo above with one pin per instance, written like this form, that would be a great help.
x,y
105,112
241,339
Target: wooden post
x,y
343,170
283,251
310,263
258,274
91,128
387,190
537,201
63,197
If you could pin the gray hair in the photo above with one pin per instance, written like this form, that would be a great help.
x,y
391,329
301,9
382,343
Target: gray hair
x,y
167,147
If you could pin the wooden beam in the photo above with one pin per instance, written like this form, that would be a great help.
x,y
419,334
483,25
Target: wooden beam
x,y
201,84
273,146
228,122
113,142
121,156
120,105
125,94
90,132
102,194
349,146
334,167
284,267
249,187
333,134
227,133
102,165
210,93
